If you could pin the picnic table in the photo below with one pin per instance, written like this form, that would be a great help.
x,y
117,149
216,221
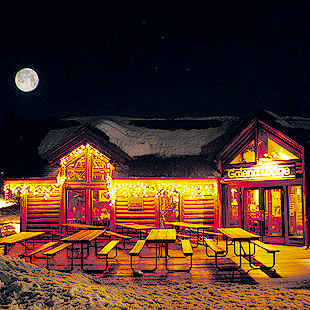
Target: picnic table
x,y
108,233
22,237
77,226
239,235
162,238
197,229
81,238
139,228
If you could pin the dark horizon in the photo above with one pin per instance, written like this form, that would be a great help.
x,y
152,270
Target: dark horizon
x,y
164,59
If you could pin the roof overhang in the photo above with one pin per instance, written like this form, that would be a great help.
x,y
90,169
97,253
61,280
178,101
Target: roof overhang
x,y
83,135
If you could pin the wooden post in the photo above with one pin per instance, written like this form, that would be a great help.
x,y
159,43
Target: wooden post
x,y
156,212
113,217
88,207
62,206
23,212
218,212
181,208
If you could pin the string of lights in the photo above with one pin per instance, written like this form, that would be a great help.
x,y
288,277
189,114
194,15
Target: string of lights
x,y
124,188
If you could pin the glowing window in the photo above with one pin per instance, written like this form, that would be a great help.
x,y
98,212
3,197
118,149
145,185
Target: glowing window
x,y
251,210
76,206
246,156
296,228
76,171
277,152
101,208
99,169
169,208
233,207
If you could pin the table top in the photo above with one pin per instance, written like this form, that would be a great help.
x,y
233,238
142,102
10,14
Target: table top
x,y
202,226
21,237
161,235
84,236
81,226
136,226
240,234
189,225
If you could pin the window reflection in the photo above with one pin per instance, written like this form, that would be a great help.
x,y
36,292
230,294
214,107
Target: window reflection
x,y
76,171
233,207
101,208
295,211
247,155
251,210
273,212
76,206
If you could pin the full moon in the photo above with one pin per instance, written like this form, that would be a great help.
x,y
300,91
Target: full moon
x,y
26,80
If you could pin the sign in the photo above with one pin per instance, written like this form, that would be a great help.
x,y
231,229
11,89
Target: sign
x,y
103,196
261,172
135,203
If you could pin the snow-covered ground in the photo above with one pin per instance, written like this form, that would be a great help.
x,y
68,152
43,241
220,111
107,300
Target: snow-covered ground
x,y
9,219
27,286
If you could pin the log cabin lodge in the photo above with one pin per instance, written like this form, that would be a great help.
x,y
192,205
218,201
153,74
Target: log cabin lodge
x,y
224,171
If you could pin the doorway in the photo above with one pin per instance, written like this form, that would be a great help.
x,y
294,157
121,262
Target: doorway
x,y
273,212
263,211
251,219
169,208
260,210
76,206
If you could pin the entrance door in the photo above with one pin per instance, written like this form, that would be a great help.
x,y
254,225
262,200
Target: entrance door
x,y
76,204
251,220
263,211
169,208
273,212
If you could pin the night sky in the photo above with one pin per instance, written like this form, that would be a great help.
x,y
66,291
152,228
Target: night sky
x,y
156,58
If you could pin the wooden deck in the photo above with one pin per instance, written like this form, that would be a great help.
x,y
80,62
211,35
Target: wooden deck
x,y
291,263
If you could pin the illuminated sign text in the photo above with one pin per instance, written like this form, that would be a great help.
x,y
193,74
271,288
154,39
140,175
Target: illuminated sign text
x,y
261,172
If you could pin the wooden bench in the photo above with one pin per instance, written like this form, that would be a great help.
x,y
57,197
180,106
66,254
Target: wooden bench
x,y
184,236
187,251
52,252
218,251
124,238
135,251
58,234
104,252
269,249
187,247
38,250
213,234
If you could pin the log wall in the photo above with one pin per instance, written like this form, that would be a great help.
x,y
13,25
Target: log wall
x,y
199,211
43,215
148,215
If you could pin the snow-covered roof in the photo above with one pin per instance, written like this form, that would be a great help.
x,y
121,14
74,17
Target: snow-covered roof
x,y
168,148
280,120
55,137
164,138
294,122
161,137
298,122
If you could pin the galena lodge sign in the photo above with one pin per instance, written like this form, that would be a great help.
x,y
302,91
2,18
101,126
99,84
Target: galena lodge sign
x,y
257,172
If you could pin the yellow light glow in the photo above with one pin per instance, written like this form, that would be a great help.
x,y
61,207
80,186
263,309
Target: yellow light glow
x,y
124,188
129,189
34,189
284,156
4,204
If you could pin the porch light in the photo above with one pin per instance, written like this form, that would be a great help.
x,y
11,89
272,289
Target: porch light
x,y
264,159
5,204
